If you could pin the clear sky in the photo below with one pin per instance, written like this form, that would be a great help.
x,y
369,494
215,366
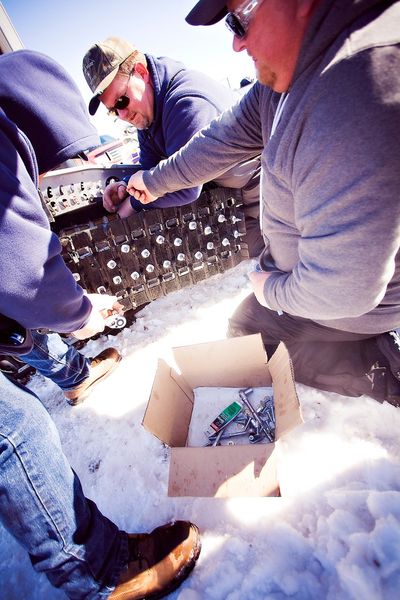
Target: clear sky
x,y
65,30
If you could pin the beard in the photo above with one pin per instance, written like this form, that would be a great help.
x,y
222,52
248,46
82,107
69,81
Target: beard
x,y
266,76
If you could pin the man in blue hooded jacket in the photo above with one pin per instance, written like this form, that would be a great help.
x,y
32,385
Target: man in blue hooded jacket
x,y
168,103
43,122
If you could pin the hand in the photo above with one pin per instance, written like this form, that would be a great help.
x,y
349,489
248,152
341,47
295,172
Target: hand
x,y
257,280
114,194
138,190
103,306
125,209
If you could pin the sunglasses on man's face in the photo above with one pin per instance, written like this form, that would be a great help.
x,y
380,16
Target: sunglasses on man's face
x,y
238,21
121,103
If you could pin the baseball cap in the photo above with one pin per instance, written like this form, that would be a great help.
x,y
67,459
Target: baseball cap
x,y
207,12
100,65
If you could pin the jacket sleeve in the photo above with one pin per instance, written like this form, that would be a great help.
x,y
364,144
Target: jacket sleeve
x,y
345,182
37,288
230,138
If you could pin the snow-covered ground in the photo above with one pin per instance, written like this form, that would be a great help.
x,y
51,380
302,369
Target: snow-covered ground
x,y
335,534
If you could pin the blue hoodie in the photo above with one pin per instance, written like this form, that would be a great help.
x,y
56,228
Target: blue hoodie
x,y
185,101
43,121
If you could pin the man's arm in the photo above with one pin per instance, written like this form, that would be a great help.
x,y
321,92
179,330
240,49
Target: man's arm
x,y
231,138
38,290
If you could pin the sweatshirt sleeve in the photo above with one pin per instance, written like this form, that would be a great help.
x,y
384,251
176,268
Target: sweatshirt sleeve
x,y
38,290
230,138
345,181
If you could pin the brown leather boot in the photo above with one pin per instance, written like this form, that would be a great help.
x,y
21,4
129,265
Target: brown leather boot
x,y
100,366
158,561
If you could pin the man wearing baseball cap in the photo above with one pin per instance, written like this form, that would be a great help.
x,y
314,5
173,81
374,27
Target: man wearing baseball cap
x,y
326,111
168,103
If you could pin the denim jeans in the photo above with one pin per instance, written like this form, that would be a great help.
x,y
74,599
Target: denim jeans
x,y
43,506
58,361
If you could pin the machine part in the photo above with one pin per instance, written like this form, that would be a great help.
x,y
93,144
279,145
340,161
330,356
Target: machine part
x,y
149,254
243,396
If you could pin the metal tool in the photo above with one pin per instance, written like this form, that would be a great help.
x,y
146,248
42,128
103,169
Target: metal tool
x,y
243,396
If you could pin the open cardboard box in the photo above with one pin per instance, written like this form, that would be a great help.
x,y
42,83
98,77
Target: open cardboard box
x,y
221,471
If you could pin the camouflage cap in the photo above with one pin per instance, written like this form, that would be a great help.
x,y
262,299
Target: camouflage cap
x,y
100,65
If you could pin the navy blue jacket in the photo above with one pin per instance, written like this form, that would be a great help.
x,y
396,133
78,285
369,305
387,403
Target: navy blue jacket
x,y
185,101
43,121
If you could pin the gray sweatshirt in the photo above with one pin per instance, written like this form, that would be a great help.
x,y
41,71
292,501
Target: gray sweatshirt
x,y
330,170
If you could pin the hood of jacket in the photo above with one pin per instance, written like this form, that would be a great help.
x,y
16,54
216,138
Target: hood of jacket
x,y
330,21
162,69
43,101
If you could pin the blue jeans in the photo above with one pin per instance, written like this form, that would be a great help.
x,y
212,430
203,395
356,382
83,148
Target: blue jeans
x,y
58,361
43,506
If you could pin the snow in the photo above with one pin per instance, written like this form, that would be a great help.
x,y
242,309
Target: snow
x,y
334,534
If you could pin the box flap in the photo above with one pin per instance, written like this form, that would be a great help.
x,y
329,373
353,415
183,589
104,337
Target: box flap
x,y
234,362
287,407
223,472
170,406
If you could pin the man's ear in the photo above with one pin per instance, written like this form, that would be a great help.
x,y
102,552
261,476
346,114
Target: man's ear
x,y
305,8
142,71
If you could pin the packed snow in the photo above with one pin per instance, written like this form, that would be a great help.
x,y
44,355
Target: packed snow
x,y
334,533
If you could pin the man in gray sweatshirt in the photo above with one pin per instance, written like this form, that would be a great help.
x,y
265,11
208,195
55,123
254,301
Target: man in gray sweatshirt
x,y
325,114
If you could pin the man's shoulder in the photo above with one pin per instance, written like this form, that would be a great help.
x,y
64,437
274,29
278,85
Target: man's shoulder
x,y
184,81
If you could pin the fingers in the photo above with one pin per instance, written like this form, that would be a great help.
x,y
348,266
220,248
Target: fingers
x,y
114,194
139,195
102,301
125,209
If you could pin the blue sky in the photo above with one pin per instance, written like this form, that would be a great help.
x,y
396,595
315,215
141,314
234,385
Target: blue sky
x,y
66,30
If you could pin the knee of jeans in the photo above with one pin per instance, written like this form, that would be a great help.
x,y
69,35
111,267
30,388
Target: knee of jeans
x,y
234,330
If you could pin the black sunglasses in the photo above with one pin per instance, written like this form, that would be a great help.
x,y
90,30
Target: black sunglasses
x,y
121,103
238,21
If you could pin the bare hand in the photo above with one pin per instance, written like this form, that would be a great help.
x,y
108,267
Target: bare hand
x,y
125,209
138,190
257,280
103,306
114,194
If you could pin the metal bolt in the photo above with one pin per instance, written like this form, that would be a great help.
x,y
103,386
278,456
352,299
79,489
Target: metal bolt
x,y
135,275
207,230
177,242
150,268
117,280
166,264
210,245
198,255
192,225
125,248
160,239
221,218
181,256
145,253
111,264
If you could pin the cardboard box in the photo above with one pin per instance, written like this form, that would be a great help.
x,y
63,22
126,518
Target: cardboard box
x,y
221,471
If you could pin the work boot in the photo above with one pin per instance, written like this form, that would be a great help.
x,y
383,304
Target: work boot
x,y
158,561
100,366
